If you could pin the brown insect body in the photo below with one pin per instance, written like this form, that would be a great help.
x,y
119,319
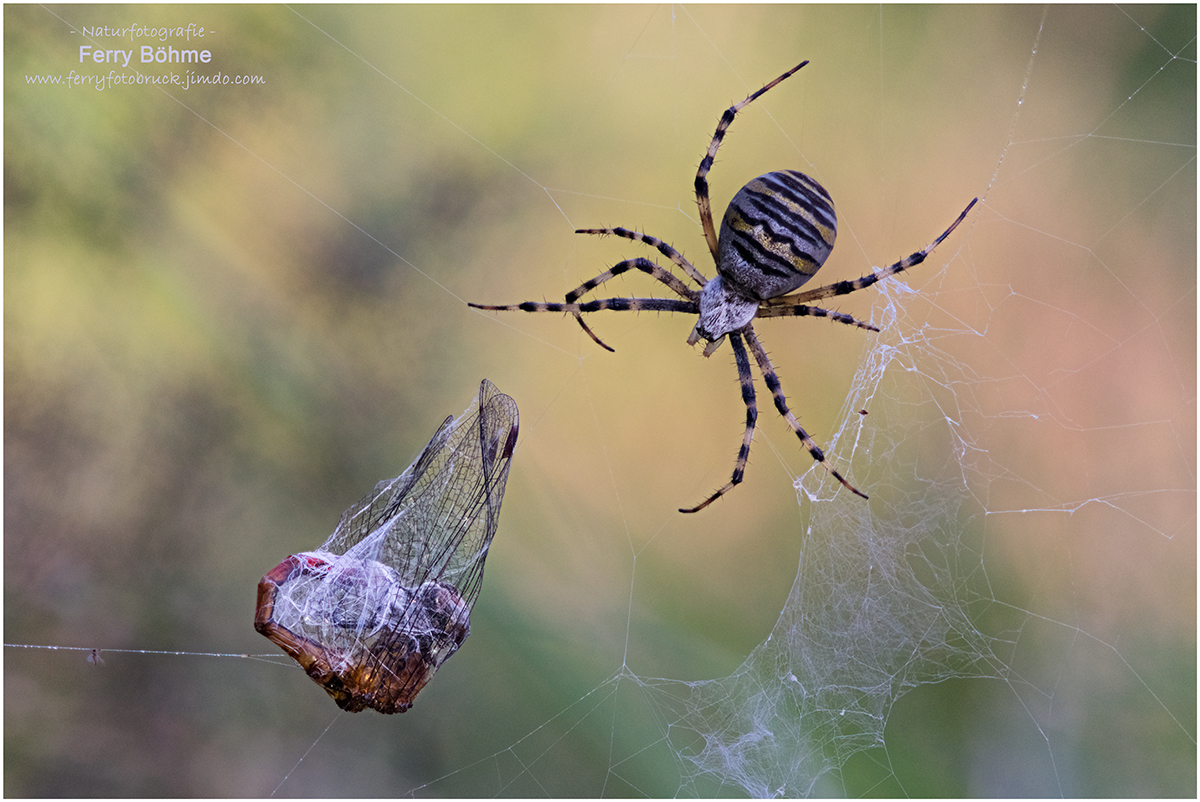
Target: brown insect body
x,y
374,612
384,672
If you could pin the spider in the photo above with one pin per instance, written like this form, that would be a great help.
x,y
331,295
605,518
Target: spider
x,y
777,232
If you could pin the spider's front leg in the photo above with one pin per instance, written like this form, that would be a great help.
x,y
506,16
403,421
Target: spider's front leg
x,y
746,379
772,380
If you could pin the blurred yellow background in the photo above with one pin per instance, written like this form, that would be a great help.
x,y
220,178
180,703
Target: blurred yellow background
x,y
230,310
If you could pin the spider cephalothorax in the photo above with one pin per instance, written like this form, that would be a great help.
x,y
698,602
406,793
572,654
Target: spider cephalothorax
x,y
777,232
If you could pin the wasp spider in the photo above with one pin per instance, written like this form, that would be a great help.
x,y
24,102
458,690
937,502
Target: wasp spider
x,y
776,234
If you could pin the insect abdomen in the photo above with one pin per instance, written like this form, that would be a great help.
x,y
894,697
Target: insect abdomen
x,y
777,232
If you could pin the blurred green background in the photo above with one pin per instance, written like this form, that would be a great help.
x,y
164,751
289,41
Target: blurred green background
x,y
230,310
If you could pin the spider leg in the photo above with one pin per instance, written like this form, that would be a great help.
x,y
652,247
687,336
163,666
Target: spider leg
x,y
702,200
849,286
746,379
691,302
769,309
664,248
615,304
592,334
691,297
644,265
772,381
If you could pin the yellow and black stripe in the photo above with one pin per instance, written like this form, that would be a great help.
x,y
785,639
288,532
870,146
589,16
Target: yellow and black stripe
x,y
777,232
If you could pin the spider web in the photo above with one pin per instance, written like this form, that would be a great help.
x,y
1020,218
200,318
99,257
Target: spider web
x,y
1012,613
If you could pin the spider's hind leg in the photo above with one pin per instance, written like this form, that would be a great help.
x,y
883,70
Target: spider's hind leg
x,y
848,286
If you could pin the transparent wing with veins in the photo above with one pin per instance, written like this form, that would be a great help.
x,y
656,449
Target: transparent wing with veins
x,y
374,612
437,519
